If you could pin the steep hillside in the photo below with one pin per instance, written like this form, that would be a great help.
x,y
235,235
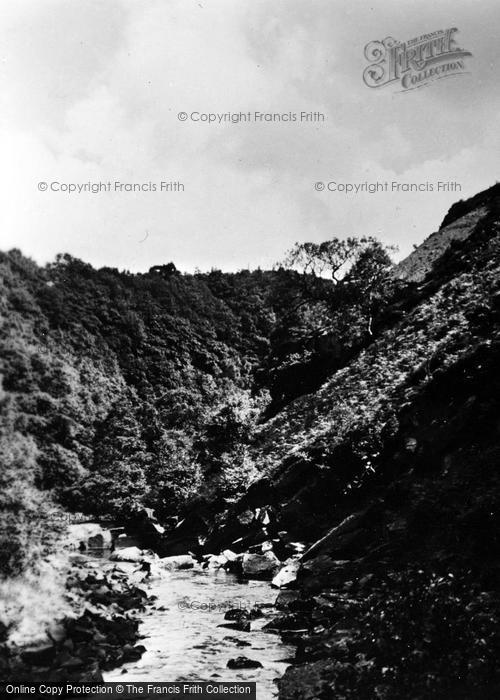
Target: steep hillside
x,y
124,391
457,225
340,431
392,468
111,384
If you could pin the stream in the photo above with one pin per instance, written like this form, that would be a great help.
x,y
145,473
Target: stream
x,y
184,641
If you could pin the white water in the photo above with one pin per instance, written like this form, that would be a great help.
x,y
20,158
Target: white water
x,y
184,641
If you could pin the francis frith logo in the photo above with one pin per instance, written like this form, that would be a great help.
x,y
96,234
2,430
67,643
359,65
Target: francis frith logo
x,y
416,62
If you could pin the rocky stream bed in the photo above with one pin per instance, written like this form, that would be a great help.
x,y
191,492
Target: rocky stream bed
x,y
160,619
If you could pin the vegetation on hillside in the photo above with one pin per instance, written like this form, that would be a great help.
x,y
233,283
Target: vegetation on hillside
x,y
330,386
145,390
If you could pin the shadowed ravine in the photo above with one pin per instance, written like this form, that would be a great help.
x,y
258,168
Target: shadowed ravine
x,y
184,641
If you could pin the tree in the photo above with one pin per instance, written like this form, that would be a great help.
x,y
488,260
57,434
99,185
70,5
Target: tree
x,y
330,294
368,283
174,474
117,483
223,442
26,527
339,273
326,258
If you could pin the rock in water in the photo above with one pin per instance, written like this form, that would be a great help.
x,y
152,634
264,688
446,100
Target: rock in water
x,y
233,561
260,565
128,554
243,662
215,561
286,575
237,614
88,535
179,561
242,625
131,653
152,570
230,555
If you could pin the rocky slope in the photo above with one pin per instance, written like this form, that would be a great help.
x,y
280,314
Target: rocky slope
x,y
96,631
457,225
391,468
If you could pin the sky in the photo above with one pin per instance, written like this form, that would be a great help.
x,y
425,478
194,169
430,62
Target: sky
x,y
92,90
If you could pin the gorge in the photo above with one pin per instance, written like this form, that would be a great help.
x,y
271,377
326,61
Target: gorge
x,y
337,416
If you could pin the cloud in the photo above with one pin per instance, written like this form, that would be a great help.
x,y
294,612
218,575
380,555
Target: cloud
x,y
94,91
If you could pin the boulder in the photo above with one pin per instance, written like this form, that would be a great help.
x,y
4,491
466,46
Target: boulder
x,y
243,662
241,626
128,554
177,562
238,642
237,614
296,622
260,565
215,561
322,571
296,547
124,541
96,541
81,630
56,632
340,536
150,570
156,571
262,516
246,517
286,575
121,628
306,680
40,655
187,536
123,567
131,653
73,662
102,595
233,561
230,555
147,526
88,536
251,541
285,598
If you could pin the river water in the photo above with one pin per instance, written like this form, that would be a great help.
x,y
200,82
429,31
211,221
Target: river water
x,y
184,640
